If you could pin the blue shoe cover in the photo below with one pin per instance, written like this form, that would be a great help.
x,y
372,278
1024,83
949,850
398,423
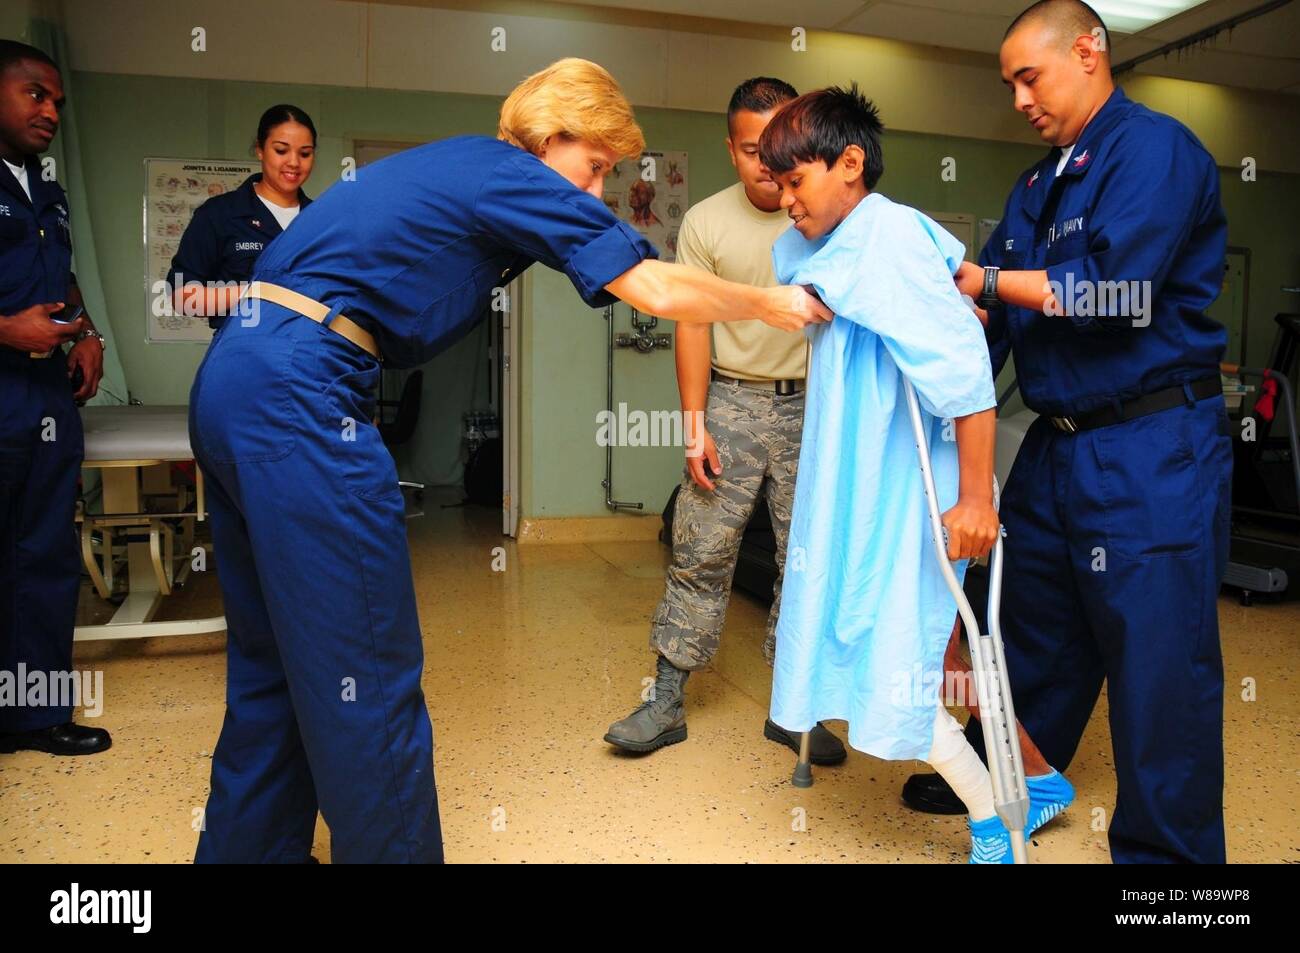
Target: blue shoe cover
x,y
990,842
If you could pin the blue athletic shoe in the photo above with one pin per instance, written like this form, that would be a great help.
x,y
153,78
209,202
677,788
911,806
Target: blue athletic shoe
x,y
1049,795
990,842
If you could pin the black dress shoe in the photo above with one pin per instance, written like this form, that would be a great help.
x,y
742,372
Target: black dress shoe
x,y
823,747
930,794
66,739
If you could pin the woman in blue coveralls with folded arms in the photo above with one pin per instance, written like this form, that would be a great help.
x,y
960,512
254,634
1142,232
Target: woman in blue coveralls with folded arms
x,y
228,232
324,707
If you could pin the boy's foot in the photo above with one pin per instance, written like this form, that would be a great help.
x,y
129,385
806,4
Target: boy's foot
x,y
823,747
1049,795
990,842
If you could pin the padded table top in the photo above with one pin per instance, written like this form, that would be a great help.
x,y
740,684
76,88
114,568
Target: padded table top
x,y
136,433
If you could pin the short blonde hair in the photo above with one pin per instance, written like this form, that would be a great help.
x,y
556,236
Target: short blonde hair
x,y
575,98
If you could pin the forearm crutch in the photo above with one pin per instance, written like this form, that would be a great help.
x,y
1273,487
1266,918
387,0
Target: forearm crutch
x,y
988,664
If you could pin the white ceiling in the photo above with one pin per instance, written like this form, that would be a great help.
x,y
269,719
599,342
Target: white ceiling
x,y
1260,54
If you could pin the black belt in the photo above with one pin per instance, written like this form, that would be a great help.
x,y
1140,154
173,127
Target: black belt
x,y
1152,403
783,388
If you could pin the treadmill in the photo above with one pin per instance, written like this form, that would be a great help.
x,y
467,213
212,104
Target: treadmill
x,y
1264,551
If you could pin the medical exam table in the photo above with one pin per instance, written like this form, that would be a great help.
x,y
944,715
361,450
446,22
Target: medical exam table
x,y
147,525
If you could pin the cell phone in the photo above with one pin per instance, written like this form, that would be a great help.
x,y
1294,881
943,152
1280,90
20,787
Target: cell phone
x,y
64,316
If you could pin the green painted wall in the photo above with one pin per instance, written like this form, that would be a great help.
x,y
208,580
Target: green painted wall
x,y
126,118
1264,216
15,20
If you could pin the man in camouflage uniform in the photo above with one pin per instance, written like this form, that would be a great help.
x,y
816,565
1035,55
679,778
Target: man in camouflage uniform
x,y
748,380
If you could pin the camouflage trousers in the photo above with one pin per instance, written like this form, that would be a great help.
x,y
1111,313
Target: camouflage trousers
x,y
757,433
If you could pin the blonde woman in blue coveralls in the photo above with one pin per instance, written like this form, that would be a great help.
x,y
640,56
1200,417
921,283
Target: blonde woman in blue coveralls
x,y
307,517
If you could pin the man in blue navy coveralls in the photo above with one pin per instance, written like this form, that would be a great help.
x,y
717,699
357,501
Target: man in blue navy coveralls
x,y
40,429
1097,279
324,704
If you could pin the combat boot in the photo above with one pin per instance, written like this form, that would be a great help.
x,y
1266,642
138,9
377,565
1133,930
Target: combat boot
x,y
661,720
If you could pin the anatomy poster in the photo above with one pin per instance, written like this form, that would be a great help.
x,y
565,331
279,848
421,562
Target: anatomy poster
x,y
173,189
650,194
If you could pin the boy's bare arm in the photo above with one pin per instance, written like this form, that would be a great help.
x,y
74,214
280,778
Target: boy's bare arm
x,y
972,523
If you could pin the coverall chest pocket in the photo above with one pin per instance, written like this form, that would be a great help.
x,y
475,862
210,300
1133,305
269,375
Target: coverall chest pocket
x,y
15,255
12,231
1014,252
1067,248
238,262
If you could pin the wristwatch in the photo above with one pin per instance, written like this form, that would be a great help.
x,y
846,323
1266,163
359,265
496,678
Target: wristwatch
x,y
91,333
989,296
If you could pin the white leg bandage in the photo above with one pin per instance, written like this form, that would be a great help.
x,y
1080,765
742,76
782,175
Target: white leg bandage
x,y
958,764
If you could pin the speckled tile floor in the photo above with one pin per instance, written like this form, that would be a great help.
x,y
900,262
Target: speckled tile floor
x,y
527,667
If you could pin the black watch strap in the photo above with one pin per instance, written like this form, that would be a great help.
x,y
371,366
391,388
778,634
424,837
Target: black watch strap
x,y
989,296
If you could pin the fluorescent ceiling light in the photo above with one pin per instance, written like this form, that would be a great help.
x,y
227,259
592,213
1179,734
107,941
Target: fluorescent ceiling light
x,y
1130,16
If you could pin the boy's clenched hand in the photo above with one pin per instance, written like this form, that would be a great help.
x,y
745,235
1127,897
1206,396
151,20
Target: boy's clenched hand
x,y
972,527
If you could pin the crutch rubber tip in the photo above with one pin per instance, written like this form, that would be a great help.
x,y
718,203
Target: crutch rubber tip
x,y
802,776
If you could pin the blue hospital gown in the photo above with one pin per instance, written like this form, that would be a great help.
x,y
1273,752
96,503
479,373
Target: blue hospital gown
x,y
865,613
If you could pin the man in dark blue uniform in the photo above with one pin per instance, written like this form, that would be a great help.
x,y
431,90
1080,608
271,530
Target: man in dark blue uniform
x,y
40,430
1097,280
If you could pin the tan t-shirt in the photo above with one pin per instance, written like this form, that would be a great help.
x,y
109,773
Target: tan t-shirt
x,y
726,235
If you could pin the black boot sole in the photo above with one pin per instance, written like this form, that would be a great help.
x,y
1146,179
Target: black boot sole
x,y
773,733
920,799
670,737
10,746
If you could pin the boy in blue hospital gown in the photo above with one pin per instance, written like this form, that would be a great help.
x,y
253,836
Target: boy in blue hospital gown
x,y
866,614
